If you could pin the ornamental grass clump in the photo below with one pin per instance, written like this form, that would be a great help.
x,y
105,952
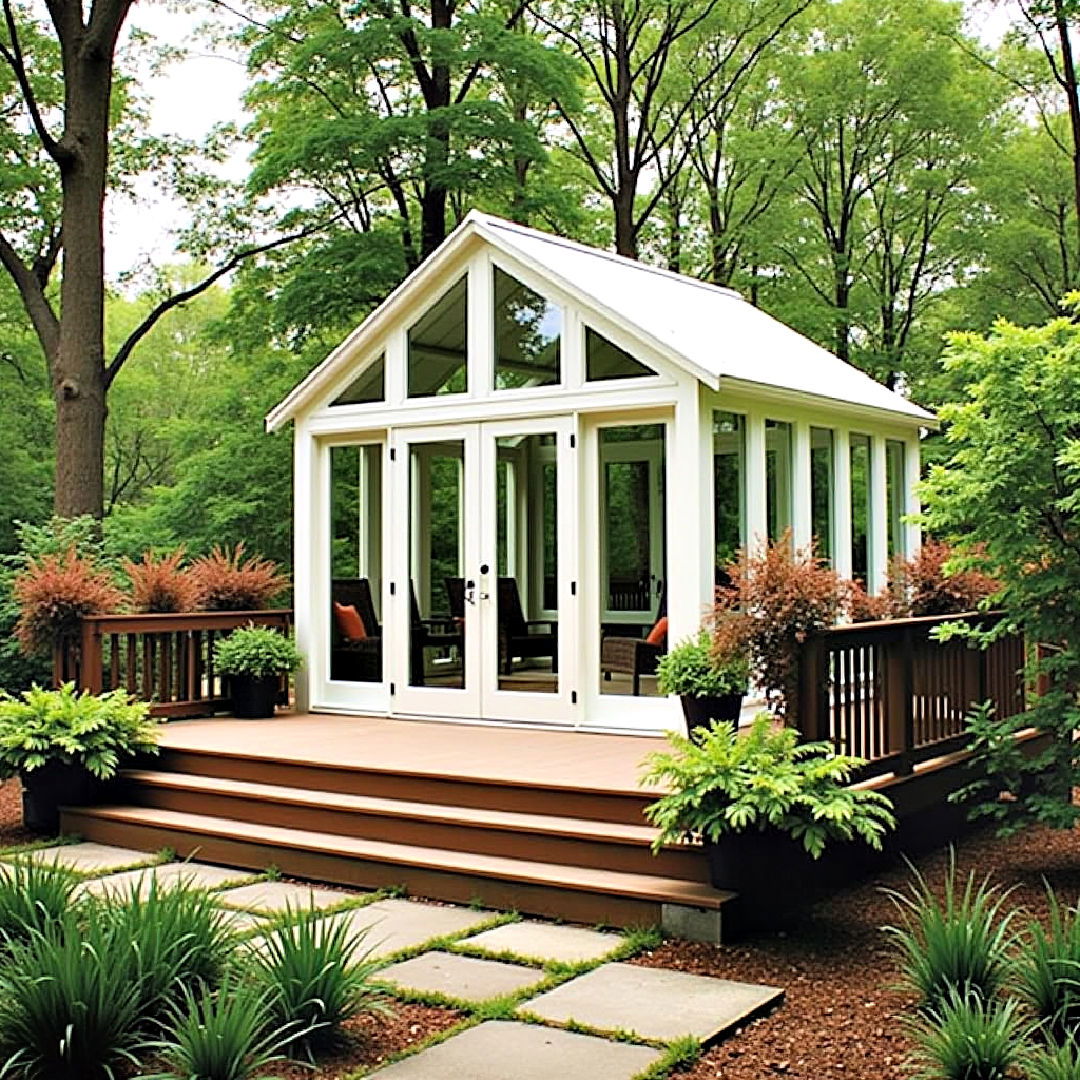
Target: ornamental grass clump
x,y
1054,1063
34,896
722,781
226,581
957,943
1047,971
161,584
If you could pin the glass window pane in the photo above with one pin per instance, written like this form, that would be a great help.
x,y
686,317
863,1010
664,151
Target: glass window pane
x,y
821,490
438,345
729,485
896,487
528,330
605,360
368,387
778,449
356,563
860,506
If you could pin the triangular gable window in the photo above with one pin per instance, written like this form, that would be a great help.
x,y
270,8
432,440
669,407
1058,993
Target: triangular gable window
x,y
368,387
438,346
605,360
528,328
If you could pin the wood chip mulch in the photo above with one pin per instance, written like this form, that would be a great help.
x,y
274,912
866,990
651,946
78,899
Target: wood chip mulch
x,y
842,1017
11,826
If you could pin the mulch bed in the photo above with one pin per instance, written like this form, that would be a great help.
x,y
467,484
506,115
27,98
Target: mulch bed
x,y
841,1017
11,827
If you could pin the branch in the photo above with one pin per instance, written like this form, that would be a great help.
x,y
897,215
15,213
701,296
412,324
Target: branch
x,y
123,354
474,71
32,293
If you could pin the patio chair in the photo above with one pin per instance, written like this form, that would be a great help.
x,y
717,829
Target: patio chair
x,y
436,633
521,637
355,659
635,656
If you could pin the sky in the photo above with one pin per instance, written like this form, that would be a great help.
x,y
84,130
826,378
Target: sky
x,y
205,89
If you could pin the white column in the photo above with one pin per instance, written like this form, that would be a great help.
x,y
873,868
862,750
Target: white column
x,y
480,350
802,514
757,511
912,507
686,592
878,513
841,494
311,574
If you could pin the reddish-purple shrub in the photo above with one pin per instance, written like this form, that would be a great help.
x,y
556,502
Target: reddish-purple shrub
x,y
226,581
161,584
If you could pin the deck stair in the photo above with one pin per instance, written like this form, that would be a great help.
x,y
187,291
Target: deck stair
x,y
550,849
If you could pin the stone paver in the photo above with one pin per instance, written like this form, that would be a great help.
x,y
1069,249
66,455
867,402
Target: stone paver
x,y
653,1002
498,1050
462,977
547,941
199,875
393,925
280,896
91,858
241,921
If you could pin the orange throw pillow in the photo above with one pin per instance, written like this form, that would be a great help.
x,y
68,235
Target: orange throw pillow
x,y
658,633
349,622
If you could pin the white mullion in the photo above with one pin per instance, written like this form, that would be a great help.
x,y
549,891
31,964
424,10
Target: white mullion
x,y
841,506
877,512
757,509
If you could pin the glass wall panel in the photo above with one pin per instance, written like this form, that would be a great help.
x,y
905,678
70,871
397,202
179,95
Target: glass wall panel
x,y
368,387
633,557
821,490
896,488
528,329
356,563
778,470
438,346
860,506
605,360
729,485
436,596
526,521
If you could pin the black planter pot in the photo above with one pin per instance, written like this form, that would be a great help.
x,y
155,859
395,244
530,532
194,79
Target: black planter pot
x,y
254,697
699,711
53,785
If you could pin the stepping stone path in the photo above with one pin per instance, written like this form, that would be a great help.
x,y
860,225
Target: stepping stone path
x,y
654,1003
499,1049
463,977
277,897
91,858
196,875
547,941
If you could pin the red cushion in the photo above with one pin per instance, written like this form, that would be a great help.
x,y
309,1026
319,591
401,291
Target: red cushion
x,y
658,633
349,622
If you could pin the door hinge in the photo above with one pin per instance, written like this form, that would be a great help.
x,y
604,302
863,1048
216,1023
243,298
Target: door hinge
x,y
393,589
393,454
573,588
393,689
573,697
573,441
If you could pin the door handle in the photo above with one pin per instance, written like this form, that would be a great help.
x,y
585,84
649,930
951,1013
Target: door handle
x,y
470,592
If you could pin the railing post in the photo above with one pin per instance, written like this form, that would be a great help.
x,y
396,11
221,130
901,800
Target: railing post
x,y
812,709
91,676
899,699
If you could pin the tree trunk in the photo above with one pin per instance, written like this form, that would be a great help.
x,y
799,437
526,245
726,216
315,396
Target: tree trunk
x,y
1072,96
841,301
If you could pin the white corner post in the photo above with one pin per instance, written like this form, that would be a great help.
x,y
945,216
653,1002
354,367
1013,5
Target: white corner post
x,y
912,506
757,509
802,525
310,575
841,494
878,526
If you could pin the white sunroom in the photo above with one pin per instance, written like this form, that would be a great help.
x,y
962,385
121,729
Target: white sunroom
x,y
534,451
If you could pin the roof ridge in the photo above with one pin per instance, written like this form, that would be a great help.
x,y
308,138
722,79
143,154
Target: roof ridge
x,y
495,222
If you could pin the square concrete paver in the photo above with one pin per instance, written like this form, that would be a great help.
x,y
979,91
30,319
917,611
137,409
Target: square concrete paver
x,y
91,858
242,921
462,977
546,941
654,1003
197,875
280,896
393,925
498,1050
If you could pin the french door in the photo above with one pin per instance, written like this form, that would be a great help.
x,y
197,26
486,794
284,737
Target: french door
x,y
484,579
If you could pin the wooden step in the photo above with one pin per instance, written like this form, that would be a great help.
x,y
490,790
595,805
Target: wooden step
x,y
550,837
492,792
578,893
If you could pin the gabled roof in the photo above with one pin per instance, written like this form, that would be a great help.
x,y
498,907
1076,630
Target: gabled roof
x,y
709,331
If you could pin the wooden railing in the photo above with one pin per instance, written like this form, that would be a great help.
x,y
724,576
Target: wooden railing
x,y
890,693
167,660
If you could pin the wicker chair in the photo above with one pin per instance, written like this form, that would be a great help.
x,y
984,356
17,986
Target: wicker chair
x,y
621,655
356,660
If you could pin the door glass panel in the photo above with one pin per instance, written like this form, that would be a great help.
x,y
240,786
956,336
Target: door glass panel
x,y
605,360
438,360
526,522
896,485
729,486
778,448
527,335
356,563
634,561
860,506
437,590
821,490
368,387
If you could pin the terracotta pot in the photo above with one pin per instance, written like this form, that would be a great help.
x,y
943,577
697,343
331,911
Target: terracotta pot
x,y
700,710
53,785
254,697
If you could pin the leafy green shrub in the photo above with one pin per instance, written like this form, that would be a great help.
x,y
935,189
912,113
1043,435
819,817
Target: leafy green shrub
x,y
69,1004
692,669
220,1035
257,651
723,781
957,944
1055,1063
967,1037
96,731
34,896
1048,970
318,976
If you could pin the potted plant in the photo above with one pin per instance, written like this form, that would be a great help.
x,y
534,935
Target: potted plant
x,y
711,681
256,659
765,804
64,743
